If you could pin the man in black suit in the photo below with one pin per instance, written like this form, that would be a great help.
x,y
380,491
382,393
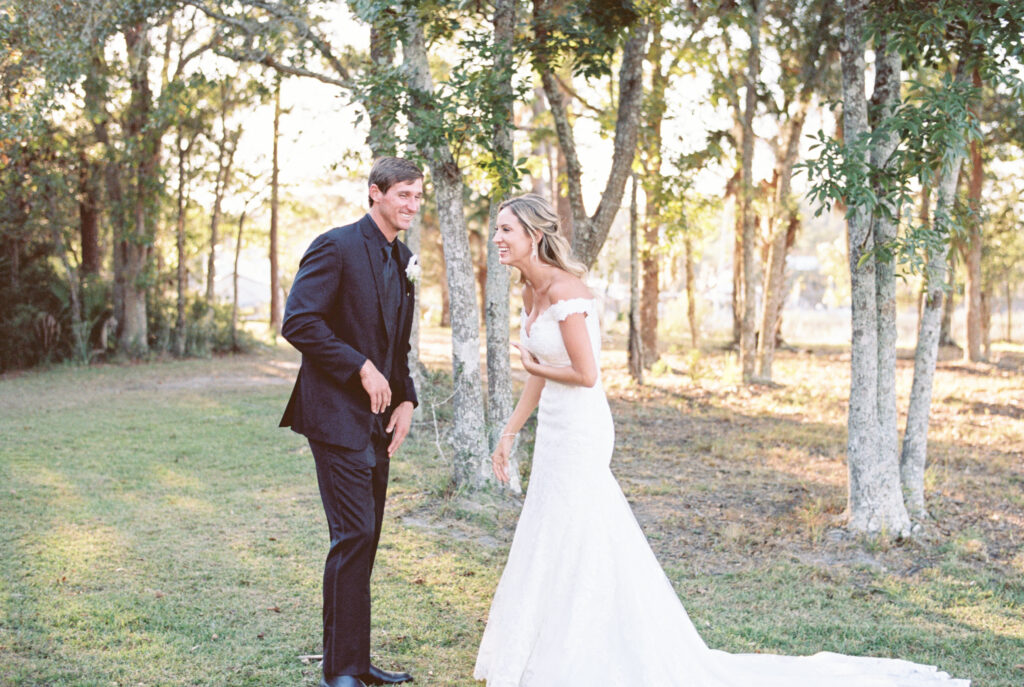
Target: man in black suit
x,y
349,313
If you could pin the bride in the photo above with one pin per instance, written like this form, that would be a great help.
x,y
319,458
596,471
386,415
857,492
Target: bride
x,y
582,601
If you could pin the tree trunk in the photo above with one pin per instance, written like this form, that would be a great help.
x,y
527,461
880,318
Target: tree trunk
x,y
636,347
89,216
691,293
875,501
972,251
915,438
479,253
79,330
225,157
737,264
986,322
948,303
414,240
540,146
589,233
469,439
182,275
134,336
650,145
651,290
812,75
1009,311
94,87
132,251
234,284
381,138
496,289
747,326
446,296
14,257
276,302
885,100
775,264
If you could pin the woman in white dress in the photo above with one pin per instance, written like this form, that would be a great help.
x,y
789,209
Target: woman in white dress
x,y
582,601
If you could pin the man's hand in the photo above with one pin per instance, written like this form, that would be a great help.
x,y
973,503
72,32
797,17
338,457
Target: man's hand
x,y
398,427
376,387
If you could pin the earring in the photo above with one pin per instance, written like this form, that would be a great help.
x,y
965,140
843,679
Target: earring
x,y
533,253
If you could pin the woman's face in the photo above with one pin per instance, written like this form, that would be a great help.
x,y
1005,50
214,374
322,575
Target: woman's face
x,y
514,245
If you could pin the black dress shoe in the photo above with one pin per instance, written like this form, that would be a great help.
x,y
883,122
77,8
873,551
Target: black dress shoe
x,y
376,676
341,681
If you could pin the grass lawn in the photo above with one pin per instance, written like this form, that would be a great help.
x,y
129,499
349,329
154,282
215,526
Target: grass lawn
x,y
159,529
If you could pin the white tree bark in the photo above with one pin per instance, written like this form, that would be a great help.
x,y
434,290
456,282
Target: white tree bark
x,y
276,302
132,251
413,239
875,502
636,347
496,297
469,441
915,438
747,326
886,99
499,369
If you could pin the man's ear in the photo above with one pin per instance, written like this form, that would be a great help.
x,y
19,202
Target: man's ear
x,y
375,193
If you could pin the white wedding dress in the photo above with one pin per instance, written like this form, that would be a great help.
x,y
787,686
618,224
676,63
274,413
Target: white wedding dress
x,y
583,601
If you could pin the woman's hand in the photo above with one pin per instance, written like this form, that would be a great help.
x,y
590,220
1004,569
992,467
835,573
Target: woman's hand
x,y
529,360
499,459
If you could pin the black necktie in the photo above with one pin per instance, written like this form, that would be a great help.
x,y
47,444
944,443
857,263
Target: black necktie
x,y
391,282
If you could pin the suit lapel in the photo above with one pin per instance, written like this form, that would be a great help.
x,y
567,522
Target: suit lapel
x,y
374,260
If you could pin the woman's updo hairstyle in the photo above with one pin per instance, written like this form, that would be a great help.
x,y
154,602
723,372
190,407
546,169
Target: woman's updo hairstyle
x,y
539,219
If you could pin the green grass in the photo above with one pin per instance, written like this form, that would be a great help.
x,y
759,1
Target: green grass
x,y
175,537
159,529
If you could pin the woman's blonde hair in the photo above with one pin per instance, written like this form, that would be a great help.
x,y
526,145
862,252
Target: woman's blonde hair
x,y
538,218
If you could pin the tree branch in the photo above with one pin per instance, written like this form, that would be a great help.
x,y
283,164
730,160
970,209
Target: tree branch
x,y
306,31
566,140
269,60
567,87
252,29
631,90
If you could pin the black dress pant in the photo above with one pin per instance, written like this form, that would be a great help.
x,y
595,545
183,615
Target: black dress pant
x,y
353,495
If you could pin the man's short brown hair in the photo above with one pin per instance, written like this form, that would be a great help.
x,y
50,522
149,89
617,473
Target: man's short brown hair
x,y
388,171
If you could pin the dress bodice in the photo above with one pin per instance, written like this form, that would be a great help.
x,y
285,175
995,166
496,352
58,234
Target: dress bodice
x,y
543,336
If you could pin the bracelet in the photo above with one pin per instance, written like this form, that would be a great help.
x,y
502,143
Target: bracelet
x,y
509,435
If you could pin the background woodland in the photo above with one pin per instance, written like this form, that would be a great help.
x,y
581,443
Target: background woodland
x,y
882,140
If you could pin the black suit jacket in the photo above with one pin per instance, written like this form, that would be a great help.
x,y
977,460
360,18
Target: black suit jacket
x,y
334,317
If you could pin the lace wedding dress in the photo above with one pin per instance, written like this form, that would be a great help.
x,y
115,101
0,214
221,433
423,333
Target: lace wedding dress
x,y
583,601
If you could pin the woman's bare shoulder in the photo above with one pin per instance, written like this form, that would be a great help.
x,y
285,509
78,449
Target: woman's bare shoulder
x,y
568,286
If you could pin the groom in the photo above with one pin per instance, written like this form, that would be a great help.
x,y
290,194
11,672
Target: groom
x,y
349,313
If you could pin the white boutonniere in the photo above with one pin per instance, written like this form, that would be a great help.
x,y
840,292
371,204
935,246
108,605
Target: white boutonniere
x,y
413,270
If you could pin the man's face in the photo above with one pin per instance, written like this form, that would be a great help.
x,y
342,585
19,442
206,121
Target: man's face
x,y
399,205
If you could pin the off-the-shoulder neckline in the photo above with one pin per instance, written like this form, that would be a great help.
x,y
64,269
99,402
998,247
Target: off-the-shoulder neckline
x,y
528,324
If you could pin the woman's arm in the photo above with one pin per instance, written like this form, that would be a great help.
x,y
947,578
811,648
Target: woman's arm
x,y
582,370
528,400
